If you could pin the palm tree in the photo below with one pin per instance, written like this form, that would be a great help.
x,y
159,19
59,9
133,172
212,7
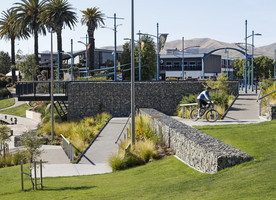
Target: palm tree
x,y
9,31
27,14
57,14
92,18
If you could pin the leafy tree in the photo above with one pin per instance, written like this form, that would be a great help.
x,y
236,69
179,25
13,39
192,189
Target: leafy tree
x,y
28,67
5,62
148,59
4,137
28,18
92,18
32,145
55,15
220,85
263,67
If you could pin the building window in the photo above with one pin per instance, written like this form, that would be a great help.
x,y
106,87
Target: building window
x,y
168,65
176,64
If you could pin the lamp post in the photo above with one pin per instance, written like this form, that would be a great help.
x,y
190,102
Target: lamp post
x,y
72,61
115,42
52,88
86,59
245,66
227,64
139,42
157,50
183,56
132,76
252,70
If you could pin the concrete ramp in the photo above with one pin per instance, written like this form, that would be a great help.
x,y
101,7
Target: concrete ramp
x,y
104,146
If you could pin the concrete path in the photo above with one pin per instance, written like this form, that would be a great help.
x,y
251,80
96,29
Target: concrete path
x,y
244,111
104,146
16,103
99,153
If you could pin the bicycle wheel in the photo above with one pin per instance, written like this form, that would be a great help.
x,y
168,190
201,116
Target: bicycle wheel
x,y
212,115
193,114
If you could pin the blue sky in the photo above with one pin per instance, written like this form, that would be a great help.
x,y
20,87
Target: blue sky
x,y
217,19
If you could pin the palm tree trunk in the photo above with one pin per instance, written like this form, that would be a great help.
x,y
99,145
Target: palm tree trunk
x,y
36,46
59,45
13,59
91,51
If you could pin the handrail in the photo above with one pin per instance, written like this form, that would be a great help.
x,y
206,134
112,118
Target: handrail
x,y
267,95
259,93
123,129
68,148
225,113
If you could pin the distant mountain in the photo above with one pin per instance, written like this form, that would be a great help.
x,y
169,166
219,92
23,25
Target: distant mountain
x,y
207,45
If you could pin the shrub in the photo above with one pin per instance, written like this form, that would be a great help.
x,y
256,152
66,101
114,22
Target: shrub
x,y
4,92
8,160
19,156
117,162
145,150
2,162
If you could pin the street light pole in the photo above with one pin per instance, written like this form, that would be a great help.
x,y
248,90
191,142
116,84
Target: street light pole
x,y
52,89
132,77
245,67
252,62
140,46
115,48
86,64
72,61
183,78
157,46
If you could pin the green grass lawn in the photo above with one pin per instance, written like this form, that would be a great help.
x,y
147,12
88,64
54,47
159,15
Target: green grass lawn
x,y
5,103
170,178
17,111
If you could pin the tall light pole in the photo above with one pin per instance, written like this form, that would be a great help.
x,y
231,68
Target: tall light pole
x,y
52,90
183,78
139,42
86,64
140,46
115,42
132,76
227,65
72,61
245,66
252,59
157,45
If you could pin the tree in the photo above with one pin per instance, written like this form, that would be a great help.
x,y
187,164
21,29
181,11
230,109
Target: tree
x,y
29,68
221,84
4,137
8,31
148,59
57,14
263,67
5,62
92,18
27,15
32,145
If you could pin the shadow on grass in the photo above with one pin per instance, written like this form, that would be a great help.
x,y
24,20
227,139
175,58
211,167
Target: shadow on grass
x,y
68,188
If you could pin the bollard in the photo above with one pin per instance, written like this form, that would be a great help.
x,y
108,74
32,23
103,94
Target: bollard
x,y
6,117
11,133
15,120
256,87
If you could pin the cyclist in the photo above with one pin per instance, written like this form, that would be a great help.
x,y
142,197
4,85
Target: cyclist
x,y
201,100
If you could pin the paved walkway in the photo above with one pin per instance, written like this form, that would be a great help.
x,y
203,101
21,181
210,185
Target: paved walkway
x,y
99,153
244,111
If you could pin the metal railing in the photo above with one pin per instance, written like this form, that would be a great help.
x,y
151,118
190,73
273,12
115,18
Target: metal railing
x,y
68,148
123,131
40,87
261,102
185,114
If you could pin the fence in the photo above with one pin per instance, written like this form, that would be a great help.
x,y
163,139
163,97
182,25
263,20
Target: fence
x,y
261,102
68,148
184,109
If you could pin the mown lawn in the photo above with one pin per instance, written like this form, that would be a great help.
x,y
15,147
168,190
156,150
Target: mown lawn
x,y
169,178
17,111
5,103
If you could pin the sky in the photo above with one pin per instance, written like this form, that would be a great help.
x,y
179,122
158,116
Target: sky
x,y
216,19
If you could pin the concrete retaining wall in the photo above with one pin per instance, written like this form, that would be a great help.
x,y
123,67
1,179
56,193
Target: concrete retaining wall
x,y
197,149
90,98
33,115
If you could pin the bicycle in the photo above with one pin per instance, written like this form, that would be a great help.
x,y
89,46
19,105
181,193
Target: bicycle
x,y
210,114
